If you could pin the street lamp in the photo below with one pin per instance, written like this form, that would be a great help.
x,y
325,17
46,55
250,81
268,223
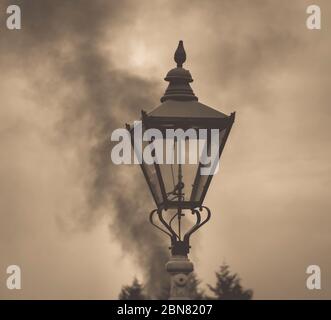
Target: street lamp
x,y
181,187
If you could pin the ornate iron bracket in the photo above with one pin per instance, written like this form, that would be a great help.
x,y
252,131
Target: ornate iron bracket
x,y
179,245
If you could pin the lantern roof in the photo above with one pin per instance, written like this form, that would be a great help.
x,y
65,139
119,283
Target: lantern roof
x,y
184,109
179,100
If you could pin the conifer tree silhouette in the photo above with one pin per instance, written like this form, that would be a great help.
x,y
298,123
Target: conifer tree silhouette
x,y
228,286
133,292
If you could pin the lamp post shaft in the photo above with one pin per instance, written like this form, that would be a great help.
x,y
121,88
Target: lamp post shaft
x,y
179,268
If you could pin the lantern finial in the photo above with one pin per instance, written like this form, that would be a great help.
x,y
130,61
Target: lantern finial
x,y
179,79
180,55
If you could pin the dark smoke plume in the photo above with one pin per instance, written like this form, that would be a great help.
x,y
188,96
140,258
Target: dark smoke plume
x,y
67,36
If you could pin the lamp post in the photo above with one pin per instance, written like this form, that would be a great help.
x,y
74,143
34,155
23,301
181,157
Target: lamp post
x,y
180,188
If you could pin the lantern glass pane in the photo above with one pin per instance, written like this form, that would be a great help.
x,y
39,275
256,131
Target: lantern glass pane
x,y
207,168
151,177
173,168
153,182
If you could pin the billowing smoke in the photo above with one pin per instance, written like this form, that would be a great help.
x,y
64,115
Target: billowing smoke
x,y
68,38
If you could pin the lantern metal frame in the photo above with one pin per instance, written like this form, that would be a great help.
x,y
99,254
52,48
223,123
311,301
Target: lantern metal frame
x,y
164,123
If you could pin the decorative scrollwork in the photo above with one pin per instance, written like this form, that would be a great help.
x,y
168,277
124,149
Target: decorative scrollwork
x,y
179,245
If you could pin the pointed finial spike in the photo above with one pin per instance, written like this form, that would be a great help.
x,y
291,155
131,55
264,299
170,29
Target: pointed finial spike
x,y
180,55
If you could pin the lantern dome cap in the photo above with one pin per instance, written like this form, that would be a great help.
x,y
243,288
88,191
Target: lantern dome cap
x,y
179,78
178,74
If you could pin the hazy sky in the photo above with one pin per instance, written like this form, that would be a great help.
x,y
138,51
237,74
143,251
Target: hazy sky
x,y
79,69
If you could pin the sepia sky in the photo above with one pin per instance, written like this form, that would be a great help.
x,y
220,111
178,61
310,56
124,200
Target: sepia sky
x,y
77,225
